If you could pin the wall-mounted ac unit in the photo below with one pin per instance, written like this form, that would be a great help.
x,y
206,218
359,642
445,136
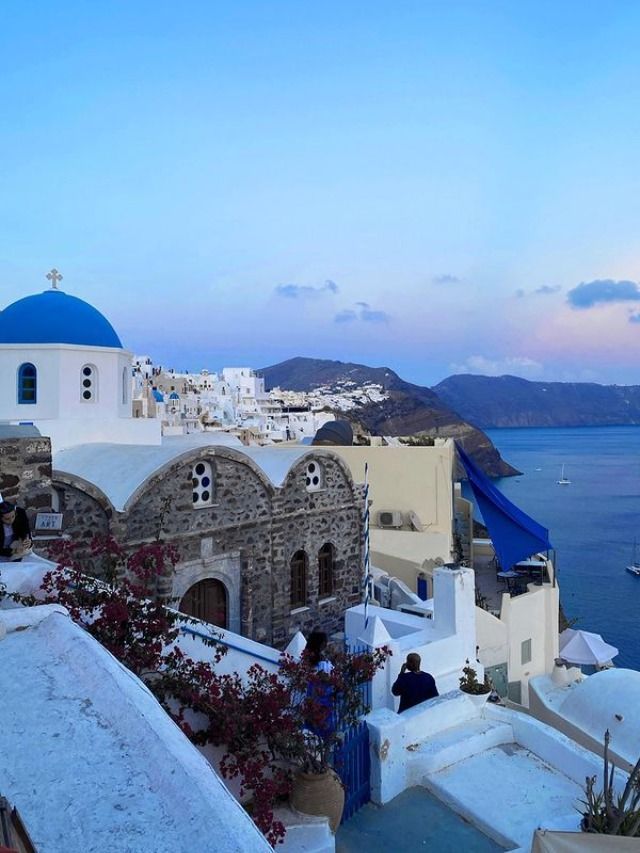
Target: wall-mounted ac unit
x,y
390,518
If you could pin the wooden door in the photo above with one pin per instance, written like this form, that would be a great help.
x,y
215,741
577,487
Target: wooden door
x,y
207,600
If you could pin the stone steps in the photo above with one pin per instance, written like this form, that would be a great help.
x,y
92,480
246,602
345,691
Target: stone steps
x,y
455,744
305,833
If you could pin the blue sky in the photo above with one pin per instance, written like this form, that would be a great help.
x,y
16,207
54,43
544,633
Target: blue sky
x,y
437,187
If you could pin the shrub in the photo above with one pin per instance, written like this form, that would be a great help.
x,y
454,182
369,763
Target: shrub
x,y
609,813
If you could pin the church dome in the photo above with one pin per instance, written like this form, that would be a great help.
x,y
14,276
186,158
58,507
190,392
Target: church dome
x,y
54,317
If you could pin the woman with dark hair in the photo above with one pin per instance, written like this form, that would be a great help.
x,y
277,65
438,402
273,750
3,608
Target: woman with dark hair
x,y
319,689
314,652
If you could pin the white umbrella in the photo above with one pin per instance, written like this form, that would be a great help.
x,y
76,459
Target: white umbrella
x,y
583,647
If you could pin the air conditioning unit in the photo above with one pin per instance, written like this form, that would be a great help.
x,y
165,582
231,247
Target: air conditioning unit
x,y
390,518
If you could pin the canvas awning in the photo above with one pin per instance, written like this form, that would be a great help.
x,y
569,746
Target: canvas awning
x,y
548,841
515,534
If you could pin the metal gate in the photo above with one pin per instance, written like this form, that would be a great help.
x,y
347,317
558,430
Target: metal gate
x,y
351,759
353,766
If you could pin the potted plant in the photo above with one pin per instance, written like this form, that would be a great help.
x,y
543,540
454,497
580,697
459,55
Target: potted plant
x,y
325,706
478,691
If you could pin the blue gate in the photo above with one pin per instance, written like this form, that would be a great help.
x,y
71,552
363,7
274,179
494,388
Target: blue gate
x,y
351,759
353,766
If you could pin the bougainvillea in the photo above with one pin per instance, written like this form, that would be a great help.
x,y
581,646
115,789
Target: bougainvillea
x,y
267,723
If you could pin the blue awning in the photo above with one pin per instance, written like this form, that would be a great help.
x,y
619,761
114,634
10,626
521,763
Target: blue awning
x,y
515,534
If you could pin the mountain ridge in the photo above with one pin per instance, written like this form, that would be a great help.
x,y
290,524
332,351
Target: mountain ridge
x,y
490,402
401,409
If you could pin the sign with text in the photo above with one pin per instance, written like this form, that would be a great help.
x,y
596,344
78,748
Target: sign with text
x,y
49,521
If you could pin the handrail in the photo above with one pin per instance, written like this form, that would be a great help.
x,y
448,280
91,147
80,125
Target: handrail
x,y
185,629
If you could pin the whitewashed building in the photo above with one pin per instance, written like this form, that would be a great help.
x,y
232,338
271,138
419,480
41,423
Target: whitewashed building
x,y
64,369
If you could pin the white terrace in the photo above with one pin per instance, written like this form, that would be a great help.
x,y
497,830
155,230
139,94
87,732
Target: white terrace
x,y
503,771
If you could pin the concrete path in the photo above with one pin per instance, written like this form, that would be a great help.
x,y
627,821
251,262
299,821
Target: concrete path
x,y
413,821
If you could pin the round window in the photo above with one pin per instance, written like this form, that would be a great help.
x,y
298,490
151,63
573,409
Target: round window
x,y
313,479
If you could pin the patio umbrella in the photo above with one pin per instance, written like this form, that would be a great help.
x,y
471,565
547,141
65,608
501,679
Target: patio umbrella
x,y
583,647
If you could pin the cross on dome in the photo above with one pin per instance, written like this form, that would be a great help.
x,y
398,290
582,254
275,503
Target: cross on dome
x,y
54,277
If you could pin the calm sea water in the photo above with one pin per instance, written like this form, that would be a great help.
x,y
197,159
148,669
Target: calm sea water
x,y
592,522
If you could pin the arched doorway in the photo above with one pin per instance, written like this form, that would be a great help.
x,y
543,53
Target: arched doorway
x,y
206,600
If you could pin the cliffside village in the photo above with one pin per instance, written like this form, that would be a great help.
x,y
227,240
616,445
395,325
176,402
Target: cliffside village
x,y
283,527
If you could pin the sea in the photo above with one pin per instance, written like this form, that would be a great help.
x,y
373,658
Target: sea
x,y
592,521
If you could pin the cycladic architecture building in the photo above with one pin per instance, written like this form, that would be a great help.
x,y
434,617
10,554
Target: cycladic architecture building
x,y
64,370
270,541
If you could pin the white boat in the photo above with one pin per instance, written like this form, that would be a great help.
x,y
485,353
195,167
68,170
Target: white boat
x,y
634,565
563,480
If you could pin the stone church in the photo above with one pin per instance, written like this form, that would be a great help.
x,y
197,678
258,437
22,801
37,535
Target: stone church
x,y
270,538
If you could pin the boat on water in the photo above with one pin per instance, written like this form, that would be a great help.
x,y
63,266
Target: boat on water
x,y
563,481
634,565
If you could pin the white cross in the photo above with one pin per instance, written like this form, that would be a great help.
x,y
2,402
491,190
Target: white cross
x,y
54,277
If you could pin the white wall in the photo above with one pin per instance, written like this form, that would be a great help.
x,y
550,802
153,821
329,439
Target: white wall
x,y
46,360
444,643
68,433
59,381
492,637
533,616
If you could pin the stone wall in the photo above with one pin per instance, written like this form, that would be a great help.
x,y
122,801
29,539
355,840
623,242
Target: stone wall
x,y
25,472
246,538
86,515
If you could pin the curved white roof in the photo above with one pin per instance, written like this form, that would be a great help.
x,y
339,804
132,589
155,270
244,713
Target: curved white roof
x,y
91,759
592,706
119,470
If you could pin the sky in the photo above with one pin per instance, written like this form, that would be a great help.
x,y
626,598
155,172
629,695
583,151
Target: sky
x,y
437,187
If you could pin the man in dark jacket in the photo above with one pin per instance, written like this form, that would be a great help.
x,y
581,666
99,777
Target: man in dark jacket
x,y
412,685
15,533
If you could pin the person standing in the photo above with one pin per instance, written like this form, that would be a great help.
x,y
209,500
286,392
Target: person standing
x,y
320,691
15,533
412,685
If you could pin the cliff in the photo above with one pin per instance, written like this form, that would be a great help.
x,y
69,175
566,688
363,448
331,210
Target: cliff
x,y
384,404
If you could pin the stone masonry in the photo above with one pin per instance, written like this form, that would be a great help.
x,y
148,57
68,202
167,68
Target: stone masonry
x,y
25,472
246,538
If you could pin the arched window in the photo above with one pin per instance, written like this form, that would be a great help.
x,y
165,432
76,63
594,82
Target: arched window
x,y
299,565
326,563
125,382
89,383
27,383
202,482
206,600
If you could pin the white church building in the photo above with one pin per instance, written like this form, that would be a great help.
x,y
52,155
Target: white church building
x,y
64,370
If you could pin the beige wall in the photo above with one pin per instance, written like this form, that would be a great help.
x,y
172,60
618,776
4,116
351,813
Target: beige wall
x,y
405,479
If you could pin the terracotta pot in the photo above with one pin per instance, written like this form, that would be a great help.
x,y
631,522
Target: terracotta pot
x,y
319,794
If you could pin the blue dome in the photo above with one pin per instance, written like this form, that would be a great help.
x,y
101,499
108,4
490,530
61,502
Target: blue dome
x,y
54,317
